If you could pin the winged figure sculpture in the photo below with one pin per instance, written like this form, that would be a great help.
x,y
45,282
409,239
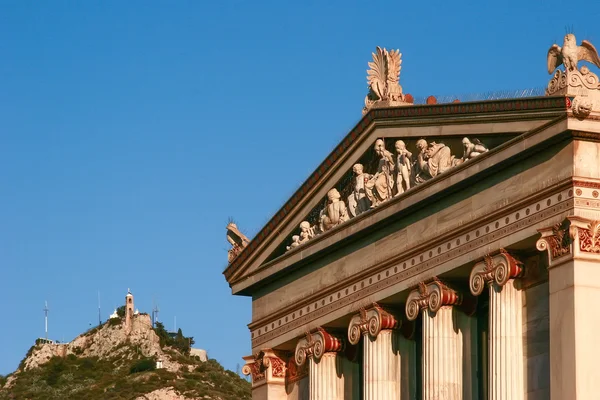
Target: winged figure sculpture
x,y
570,54
383,76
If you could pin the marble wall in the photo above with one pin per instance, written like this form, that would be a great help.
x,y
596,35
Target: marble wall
x,y
536,332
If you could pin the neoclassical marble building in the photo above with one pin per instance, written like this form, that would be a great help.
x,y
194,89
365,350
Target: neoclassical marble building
x,y
441,251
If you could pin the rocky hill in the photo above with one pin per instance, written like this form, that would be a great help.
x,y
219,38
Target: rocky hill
x,y
112,362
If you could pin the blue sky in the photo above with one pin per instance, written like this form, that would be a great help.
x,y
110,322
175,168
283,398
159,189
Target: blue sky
x,y
131,131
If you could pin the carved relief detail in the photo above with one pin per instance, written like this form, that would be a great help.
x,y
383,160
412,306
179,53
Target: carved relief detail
x,y
498,269
432,296
395,174
315,344
370,321
589,237
556,240
265,367
294,373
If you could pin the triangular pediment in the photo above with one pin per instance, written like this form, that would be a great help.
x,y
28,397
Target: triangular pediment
x,y
399,150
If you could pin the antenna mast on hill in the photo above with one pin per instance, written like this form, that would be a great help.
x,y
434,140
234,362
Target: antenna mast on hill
x,y
46,309
155,311
99,316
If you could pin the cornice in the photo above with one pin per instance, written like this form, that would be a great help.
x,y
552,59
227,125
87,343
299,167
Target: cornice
x,y
525,105
496,219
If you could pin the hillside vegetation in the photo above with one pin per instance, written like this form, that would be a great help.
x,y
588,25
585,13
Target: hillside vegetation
x,y
106,364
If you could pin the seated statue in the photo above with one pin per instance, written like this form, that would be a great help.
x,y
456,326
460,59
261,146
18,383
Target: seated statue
x,y
334,213
295,242
433,159
307,232
472,149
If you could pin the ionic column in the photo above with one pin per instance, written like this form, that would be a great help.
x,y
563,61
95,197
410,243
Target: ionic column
x,y
505,380
442,367
267,369
326,381
382,356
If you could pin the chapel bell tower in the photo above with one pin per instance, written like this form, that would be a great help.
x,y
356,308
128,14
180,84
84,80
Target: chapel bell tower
x,y
128,311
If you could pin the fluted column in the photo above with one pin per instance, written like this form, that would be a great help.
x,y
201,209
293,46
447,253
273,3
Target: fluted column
x,y
505,380
381,378
442,365
388,358
326,380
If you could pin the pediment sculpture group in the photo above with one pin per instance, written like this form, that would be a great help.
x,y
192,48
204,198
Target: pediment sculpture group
x,y
395,174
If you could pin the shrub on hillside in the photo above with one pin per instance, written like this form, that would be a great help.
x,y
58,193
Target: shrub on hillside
x,y
145,364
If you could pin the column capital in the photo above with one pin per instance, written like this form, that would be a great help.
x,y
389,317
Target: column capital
x,y
498,267
575,237
316,343
432,296
267,366
370,321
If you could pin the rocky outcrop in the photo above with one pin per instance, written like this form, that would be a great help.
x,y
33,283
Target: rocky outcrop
x,y
107,341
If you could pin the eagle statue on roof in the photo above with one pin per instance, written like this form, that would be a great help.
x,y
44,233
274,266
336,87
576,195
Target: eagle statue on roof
x,y
237,240
570,54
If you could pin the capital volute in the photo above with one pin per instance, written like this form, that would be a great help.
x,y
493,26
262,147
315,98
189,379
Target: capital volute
x,y
432,296
316,343
370,321
497,269
557,240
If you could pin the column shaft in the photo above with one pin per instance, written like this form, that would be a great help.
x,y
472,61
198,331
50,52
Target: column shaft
x,y
506,343
381,380
442,356
326,379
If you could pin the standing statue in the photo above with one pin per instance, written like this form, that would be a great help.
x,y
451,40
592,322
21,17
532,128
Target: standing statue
x,y
403,167
433,159
379,187
237,240
472,149
358,202
570,54
334,213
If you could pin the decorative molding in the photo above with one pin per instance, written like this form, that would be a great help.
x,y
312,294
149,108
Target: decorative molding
x,y
498,268
370,321
530,212
433,296
294,373
556,240
589,237
315,344
267,366
452,109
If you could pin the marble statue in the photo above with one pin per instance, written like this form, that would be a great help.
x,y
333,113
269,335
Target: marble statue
x,y
307,232
295,242
383,79
334,213
403,167
472,149
358,202
432,160
379,187
237,240
570,54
